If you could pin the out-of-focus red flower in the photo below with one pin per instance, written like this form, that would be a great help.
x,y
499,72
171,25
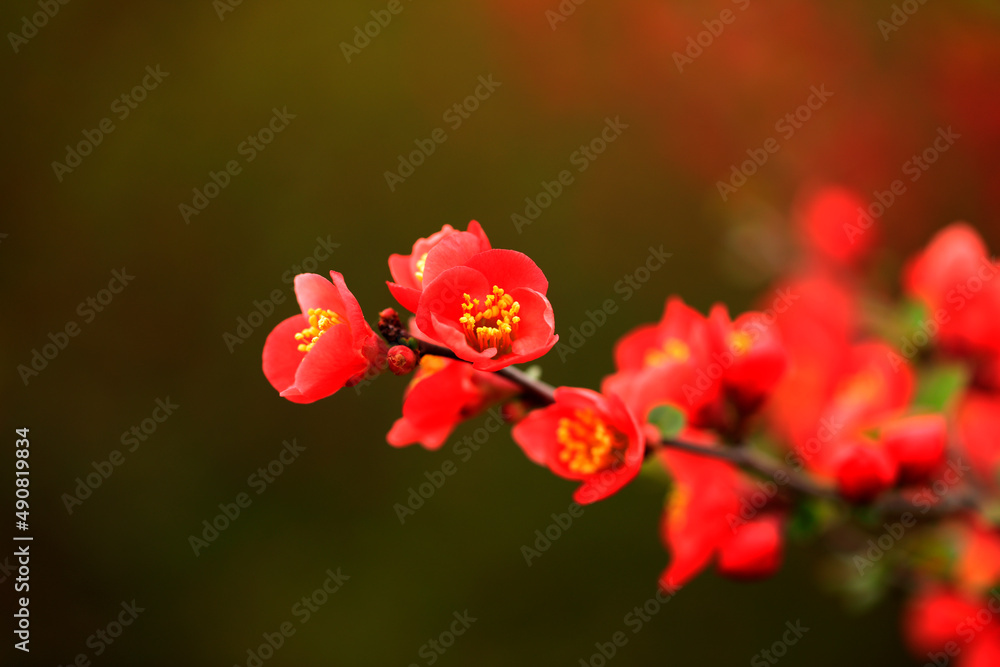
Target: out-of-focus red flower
x,y
442,394
489,308
755,550
958,282
978,426
863,470
585,436
917,444
310,356
833,223
410,271
703,519
934,617
754,355
978,567
669,362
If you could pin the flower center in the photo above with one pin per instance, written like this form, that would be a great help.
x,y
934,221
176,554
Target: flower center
x,y
741,342
493,326
421,263
320,321
673,349
588,443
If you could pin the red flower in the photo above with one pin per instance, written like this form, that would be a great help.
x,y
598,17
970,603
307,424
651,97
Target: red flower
x,y
411,272
490,308
934,617
835,224
442,395
584,436
669,362
863,470
957,281
978,425
310,356
917,444
755,358
706,518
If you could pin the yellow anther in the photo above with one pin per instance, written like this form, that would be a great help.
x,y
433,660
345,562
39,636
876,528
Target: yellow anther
x,y
495,325
679,501
421,263
589,444
320,321
673,349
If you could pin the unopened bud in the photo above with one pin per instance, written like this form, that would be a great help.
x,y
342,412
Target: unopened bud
x,y
402,360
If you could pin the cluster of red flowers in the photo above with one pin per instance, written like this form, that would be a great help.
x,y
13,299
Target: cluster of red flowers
x,y
829,405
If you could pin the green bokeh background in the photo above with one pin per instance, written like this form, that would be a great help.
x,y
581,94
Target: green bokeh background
x,y
323,176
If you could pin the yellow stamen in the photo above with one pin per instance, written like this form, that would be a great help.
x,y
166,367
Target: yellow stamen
x,y
499,309
589,445
320,321
673,349
428,366
741,342
421,263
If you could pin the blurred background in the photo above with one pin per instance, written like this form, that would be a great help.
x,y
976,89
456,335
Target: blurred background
x,y
189,89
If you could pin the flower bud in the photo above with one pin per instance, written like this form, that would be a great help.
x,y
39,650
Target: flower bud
x,y
402,359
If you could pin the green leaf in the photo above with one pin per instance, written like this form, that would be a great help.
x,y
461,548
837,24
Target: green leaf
x,y
669,420
937,387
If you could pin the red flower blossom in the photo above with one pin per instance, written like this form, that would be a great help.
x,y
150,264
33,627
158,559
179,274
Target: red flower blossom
x,y
311,356
863,470
754,360
834,223
956,279
443,394
669,362
933,618
705,518
585,436
978,426
490,308
411,272
917,444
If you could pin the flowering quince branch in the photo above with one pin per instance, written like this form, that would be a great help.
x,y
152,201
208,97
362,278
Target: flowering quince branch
x,y
864,424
